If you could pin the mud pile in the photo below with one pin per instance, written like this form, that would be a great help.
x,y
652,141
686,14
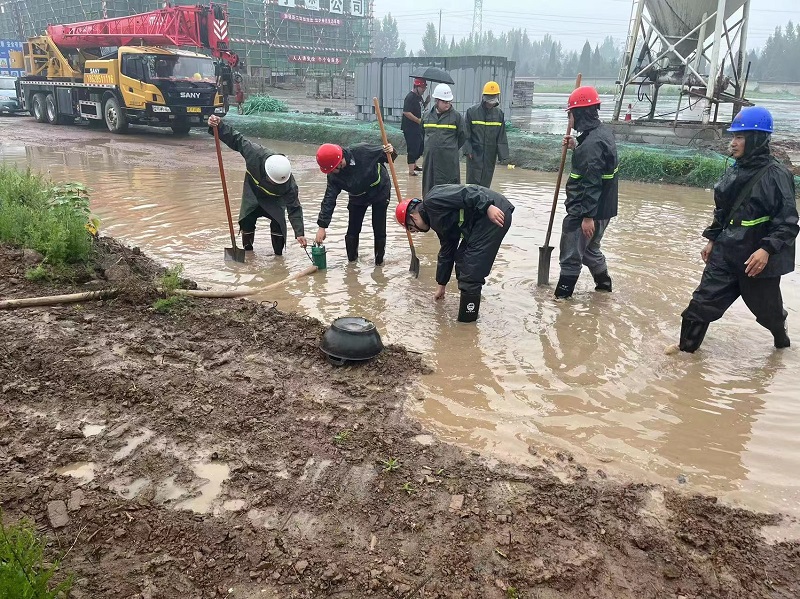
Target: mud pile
x,y
213,452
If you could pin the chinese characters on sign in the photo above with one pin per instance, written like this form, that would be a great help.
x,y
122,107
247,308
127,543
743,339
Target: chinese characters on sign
x,y
312,4
337,6
315,59
310,20
286,3
356,7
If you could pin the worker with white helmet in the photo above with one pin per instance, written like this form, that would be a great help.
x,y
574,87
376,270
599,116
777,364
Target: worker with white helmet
x,y
444,135
269,190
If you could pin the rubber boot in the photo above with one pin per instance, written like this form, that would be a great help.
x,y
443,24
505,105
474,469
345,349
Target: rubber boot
x,y
278,243
247,240
692,334
351,243
602,281
781,336
380,249
565,286
469,307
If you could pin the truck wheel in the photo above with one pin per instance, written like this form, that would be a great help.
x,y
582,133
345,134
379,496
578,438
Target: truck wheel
x,y
180,129
50,110
116,119
38,110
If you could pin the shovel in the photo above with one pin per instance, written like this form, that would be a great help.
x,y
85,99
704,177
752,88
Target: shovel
x,y
233,253
546,250
414,268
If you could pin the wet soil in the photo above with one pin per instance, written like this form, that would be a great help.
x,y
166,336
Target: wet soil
x,y
212,451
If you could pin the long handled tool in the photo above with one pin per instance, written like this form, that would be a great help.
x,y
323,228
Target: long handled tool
x,y
546,250
414,260
232,253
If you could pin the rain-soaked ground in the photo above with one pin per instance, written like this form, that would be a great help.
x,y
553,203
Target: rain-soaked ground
x,y
588,376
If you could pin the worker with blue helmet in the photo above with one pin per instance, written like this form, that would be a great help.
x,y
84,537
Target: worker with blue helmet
x,y
751,241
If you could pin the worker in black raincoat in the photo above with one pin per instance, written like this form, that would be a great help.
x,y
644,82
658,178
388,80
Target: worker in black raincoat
x,y
751,242
361,171
471,222
444,135
486,136
592,194
411,124
269,190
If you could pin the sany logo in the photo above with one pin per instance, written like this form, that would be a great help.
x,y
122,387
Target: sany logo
x,y
190,94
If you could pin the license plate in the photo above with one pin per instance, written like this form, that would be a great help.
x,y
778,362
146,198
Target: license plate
x,y
193,109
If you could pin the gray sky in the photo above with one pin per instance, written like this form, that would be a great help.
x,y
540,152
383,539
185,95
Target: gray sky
x,y
571,21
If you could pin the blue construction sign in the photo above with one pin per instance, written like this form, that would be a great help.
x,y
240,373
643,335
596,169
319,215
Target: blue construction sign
x,y
7,46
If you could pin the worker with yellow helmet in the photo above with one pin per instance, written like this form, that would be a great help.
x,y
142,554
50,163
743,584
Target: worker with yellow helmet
x,y
486,136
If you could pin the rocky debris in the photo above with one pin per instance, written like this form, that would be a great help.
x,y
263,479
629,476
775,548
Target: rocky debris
x,y
57,513
76,500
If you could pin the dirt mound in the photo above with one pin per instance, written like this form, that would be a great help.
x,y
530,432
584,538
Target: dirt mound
x,y
214,452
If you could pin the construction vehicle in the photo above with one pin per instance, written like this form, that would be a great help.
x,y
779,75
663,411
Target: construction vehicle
x,y
119,71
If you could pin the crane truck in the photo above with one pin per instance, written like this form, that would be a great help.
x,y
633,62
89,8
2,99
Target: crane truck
x,y
121,71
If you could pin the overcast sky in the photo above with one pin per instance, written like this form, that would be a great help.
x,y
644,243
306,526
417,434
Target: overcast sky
x,y
571,21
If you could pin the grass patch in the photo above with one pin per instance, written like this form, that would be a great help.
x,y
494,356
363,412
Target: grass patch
x,y
54,220
38,274
169,282
24,574
264,103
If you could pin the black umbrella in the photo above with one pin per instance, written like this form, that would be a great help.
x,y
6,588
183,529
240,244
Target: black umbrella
x,y
434,74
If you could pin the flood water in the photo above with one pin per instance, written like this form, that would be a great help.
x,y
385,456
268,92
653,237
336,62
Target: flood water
x,y
588,376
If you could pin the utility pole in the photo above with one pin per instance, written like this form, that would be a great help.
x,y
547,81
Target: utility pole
x,y
477,21
439,41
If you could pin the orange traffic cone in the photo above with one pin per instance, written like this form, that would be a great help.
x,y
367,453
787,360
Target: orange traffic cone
x,y
628,114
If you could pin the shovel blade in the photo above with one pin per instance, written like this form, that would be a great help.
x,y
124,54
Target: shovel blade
x,y
414,268
234,254
543,275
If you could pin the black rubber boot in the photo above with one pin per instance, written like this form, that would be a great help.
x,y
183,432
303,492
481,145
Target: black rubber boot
x,y
602,281
469,307
692,335
781,337
565,287
247,240
278,243
380,249
351,243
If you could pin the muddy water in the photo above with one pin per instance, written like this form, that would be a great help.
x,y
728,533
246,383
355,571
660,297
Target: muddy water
x,y
534,376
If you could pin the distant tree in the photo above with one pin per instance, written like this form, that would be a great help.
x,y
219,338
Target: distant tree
x,y
585,61
386,37
430,41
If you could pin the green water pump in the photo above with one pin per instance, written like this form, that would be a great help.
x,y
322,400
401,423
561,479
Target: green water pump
x,y
318,256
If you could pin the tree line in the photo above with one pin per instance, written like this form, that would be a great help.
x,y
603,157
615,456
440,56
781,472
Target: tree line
x,y
776,61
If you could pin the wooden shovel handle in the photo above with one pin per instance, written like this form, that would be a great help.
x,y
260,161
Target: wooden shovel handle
x,y
224,185
560,174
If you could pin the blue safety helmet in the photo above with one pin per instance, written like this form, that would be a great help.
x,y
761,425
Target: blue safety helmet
x,y
754,118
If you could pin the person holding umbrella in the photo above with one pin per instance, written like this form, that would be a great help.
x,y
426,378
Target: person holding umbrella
x,y
486,136
411,124
445,133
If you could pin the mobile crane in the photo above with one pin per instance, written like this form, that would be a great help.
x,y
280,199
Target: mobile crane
x,y
120,71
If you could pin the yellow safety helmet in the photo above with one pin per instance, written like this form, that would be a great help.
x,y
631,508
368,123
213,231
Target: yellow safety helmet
x,y
491,88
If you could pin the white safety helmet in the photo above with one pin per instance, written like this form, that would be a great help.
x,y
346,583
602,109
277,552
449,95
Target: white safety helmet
x,y
443,92
278,168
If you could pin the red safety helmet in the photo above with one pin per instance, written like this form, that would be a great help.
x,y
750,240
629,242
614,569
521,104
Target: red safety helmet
x,y
420,83
401,211
583,96
329,157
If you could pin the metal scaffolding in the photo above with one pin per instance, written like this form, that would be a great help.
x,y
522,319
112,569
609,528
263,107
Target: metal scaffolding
x,y
699,45
274,37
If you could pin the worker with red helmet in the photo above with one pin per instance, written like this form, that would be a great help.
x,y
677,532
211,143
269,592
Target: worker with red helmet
x,y
411,124
269,189
445,133
361,171
751,241
592,190
471,222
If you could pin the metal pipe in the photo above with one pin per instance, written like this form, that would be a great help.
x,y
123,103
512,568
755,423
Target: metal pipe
x,y
740,87
629,53
714,66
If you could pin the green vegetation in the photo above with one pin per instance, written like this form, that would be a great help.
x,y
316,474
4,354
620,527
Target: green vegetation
x,y
38,273
390,464
262,103
54,220
341,438
24,574
169,282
